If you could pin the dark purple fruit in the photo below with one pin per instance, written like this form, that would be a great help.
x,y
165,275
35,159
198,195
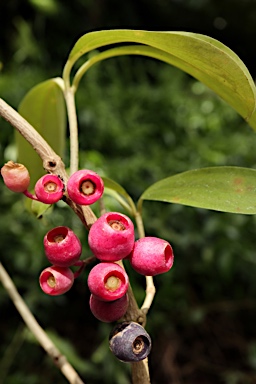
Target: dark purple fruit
x,y
129,342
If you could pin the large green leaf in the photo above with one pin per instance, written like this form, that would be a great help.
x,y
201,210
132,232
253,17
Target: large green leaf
x,y
205,58
44,108
226,189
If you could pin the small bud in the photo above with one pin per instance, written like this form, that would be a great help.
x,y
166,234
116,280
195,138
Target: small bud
x,y
16,176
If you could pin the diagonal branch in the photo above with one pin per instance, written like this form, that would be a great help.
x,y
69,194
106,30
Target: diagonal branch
x,y
56,356
52,163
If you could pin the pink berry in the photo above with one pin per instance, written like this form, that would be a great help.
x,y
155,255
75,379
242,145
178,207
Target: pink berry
x,y
111,237
62,247
56,280
108,281
151,256
16,176
49,189
109,311
85,187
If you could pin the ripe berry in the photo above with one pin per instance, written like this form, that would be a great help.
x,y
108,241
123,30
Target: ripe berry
x,y
62,247
111,237
151,256
108,311
49,189
85,187
56,280
129,342
16,176
108,281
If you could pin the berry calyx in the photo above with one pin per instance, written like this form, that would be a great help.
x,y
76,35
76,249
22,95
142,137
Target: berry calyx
x,y
49,189
129,342
85,187
111,237
108,281
55,280
108,311
62,247
16,176
151,256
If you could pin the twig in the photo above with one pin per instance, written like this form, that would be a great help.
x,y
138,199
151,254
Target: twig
x,y
56,356
150,287
73,128
140,372
51,161
150,294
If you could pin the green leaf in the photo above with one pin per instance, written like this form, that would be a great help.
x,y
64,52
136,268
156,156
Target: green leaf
x,y
226,189
119,193
44,108
39,209
205,58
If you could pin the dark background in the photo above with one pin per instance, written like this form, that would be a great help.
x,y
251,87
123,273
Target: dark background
x,y
140,121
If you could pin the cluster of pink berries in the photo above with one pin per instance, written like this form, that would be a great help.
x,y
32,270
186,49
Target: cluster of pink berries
x,y
111,238
84,187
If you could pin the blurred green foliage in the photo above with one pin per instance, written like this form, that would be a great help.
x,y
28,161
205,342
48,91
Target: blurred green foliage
x,y
139,121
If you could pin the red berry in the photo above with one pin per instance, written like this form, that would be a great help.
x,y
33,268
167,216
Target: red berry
x,y
151,256
16,176
56,280
85,187
108,281
111,237
62,247
49,189
109,311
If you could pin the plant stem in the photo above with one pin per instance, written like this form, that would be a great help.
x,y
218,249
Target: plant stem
x,y
140,372
150,294
73,127
51,161
150,287
41,336
82,264
140,225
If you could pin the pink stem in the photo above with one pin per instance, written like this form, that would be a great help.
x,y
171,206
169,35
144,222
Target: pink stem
x,y
29,195
82,264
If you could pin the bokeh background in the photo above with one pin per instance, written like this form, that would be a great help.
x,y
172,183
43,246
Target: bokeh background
x,y
140,120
